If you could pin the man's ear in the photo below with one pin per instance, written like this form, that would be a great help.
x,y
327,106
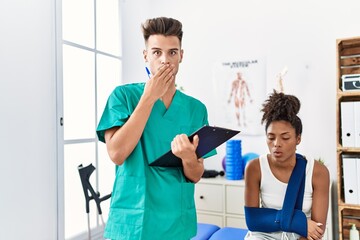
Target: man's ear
x,y
298,139
145,55
181,55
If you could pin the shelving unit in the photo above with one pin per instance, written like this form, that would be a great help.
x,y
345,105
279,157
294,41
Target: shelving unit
x,y
348,62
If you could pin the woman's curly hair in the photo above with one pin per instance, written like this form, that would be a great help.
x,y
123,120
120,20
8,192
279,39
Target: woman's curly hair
x,y
280,106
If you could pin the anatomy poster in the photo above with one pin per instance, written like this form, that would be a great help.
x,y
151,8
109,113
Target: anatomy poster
x,y
239,89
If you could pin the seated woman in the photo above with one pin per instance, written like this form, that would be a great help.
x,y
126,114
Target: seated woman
x,y
286,195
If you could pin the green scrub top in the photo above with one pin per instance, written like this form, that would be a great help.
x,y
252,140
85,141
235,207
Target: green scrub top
x,y
152,203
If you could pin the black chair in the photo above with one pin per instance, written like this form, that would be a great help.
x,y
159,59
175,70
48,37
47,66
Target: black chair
x,y
90,194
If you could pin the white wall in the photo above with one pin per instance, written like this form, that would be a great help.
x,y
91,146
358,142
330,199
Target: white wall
x,y
28,198
298,34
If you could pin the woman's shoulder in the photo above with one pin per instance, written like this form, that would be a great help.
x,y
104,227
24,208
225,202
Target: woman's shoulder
x,y
253,166
257,163
252,173
320,173
320,169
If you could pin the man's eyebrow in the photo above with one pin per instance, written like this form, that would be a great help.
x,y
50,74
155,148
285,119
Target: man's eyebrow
x,y
171,49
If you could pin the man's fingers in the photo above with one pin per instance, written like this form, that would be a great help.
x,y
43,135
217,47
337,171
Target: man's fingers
x,y
196,141
164,70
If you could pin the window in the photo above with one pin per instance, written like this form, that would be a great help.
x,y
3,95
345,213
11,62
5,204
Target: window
x,y
91,51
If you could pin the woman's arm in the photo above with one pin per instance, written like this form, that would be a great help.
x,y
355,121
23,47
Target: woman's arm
x,y
320,202
252,183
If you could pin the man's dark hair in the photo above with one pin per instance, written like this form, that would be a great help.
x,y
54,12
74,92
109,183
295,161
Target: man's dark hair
x,y
162,26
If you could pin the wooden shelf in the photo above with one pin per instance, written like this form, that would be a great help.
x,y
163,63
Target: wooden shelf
x,y
343,205
348,62
348,94
348,150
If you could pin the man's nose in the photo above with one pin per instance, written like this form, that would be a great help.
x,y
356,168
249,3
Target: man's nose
x,y
164,59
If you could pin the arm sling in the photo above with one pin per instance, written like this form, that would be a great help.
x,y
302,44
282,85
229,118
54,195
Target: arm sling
x,y
290,218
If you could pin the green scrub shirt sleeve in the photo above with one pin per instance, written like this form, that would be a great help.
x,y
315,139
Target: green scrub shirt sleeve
x,y
209,154
115,114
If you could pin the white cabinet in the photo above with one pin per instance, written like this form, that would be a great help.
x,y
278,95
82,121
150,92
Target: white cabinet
x,y
209,197
220,201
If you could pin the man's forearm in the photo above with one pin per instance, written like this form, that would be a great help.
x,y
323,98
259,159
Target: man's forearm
x,y
193,170
123,141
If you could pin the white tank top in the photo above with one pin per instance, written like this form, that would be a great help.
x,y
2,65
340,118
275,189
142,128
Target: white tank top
x,y
272,190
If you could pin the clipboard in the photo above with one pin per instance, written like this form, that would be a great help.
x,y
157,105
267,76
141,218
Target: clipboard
x,y
210,137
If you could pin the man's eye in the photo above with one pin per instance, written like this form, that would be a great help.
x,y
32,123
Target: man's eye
x,y
173,53
156,52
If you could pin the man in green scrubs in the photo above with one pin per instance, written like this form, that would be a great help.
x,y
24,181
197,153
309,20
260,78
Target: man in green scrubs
x,y
141,122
